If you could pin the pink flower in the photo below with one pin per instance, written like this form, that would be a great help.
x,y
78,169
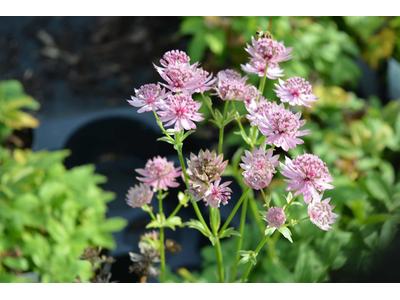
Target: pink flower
x,y
258,167
218,194
296,91
281,127
149,97
180,110
269,50
139,196
251,94
257,66
308,174
276,217
231,85
205,167
159,173
321,212
257,108
181,76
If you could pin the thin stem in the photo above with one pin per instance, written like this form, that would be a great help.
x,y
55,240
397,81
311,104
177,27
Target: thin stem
x,y
226,224
160,209
298,221
221,130
161,125
240,240
209,107
246,274
264,197
262,82
246,138
220,264
256,215
289,204
175,211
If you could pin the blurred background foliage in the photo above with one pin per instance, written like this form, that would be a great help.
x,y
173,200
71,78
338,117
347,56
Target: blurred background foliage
x,y
48,215
359,139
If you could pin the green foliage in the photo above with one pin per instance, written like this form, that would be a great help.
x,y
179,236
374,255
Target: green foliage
x,y
48,215
12,101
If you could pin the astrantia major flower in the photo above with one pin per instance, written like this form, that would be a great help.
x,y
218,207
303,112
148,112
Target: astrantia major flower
x,y
139,195
148,97
231,85
295,91
180,110
275,217
159,173
256,66
308,174
217,193
251,94
205,167
281,127
257,108
269,50
320,212
258,167
181,76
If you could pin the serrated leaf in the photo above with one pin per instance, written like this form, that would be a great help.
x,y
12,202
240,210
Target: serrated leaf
x,y
286,233
269,230
154,224
166,139
243,260
215,122
218,116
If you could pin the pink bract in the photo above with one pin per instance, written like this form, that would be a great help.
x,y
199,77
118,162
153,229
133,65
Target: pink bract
x,y
320,213
295,91
148,97
218,194
139,195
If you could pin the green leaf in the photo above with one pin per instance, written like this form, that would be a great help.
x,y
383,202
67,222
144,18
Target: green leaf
x,y
213,239
286,233
57,230
218,116
228,232
183,199
388,232
166,139
174,221
113,224
199,226
192,25
270,230
216,40
187,134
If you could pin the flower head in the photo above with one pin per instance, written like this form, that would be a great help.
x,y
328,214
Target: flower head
x,y
281,127
149,97
258,167
206,167
320,212
251,94
257,108
231,85
180,110
269,50
159,173
139,196
181,76
218,194
296,91
275,217
308,174
257,66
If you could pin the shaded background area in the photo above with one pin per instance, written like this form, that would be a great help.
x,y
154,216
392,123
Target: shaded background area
x,y
82,69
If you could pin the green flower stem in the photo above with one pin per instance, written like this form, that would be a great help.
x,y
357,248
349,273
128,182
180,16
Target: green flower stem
x,y
175,211
218,252
289,204
221,130
262,82
256,215
298,221
246,274
151,214
209,107
264,197
240,239
162,250
161,125
246,138
226,224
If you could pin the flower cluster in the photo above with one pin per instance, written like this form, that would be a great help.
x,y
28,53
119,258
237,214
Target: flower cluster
x,y
139,196
308,174
266,53
258,168
204,169
320,213
159,173
279,125
295,91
